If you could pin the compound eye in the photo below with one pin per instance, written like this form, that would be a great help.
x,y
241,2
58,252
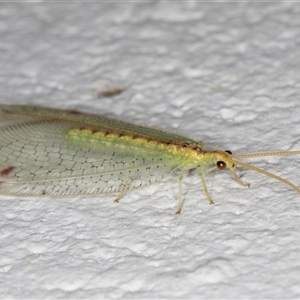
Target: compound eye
x,y
221,165
227,151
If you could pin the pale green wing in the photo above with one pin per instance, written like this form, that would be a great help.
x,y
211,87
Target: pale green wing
x,y
36,159
93,120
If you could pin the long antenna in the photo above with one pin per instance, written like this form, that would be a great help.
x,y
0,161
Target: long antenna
x,y
259,154
245,165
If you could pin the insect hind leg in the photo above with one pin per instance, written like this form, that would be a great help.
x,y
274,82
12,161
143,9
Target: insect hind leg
x,y
127,182
180,200
125,190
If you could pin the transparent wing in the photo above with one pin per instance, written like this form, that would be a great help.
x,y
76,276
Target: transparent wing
x,y
36,159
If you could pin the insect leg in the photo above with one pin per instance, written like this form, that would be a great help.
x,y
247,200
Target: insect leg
x,y
126,186
237,178
121,195
211,201
125,190
180,201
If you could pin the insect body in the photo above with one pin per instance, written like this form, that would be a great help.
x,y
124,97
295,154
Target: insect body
x,y
51,152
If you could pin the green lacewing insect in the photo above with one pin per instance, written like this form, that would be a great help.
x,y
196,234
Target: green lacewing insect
x,y
52,152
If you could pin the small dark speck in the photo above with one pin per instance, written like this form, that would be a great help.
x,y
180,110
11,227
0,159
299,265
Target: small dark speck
x,y
74,112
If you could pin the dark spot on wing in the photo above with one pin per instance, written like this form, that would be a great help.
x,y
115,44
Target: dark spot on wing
x,y
6,171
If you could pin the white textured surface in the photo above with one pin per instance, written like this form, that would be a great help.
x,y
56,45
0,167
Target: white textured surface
x,y
224,73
